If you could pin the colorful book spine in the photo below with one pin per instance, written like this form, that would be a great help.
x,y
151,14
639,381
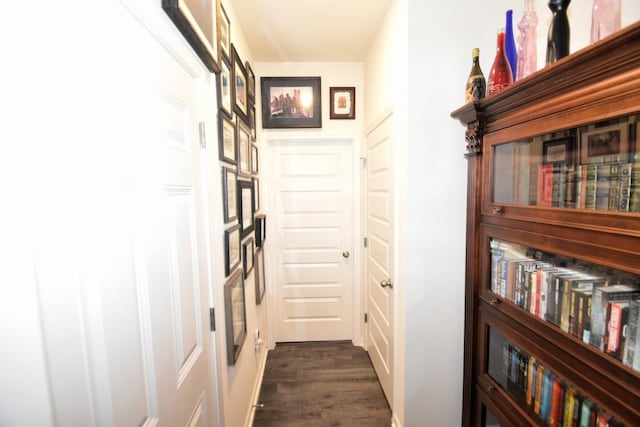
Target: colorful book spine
x,y
632,352
624,190
614,187
602,186
590,189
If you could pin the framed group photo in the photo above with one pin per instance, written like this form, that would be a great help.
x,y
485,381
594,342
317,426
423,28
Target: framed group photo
x,y
291,102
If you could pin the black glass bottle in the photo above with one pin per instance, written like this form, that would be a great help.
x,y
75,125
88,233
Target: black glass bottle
x,y
559,32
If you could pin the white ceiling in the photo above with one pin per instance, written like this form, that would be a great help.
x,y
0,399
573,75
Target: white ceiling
x,y
309,30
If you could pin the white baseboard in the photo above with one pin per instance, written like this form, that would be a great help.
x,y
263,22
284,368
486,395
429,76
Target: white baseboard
x,y
255,395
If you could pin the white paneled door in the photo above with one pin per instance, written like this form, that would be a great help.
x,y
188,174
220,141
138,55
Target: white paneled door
x,y
313,191
380,252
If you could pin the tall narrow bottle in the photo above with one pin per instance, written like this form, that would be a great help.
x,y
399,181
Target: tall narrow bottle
x,y
510,44
476,85
500,76
559,37
605,19
527,49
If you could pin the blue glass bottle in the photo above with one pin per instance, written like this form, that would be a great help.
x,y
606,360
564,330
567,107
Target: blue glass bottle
x,y
510,44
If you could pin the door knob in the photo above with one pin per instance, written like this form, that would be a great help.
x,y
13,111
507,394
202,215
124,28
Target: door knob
x,y
345,254
386,284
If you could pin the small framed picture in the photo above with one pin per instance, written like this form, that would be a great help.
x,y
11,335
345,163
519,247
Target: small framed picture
x,y
224,34
227,150
342,103
558,150
252,121
232,254
235,315
229,188
291,102
248,249
224,88
260,279
260,230
254,159
251,83
256,194
243,142
245,207
239,97
606,144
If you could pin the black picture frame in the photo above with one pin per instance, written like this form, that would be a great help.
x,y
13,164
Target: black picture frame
x,y
232,254
196,20
235,315
248,250
342,103
260,280
252,122
229,195
254,159
243,143
282,105
227,141
245,207
558,150
260,232
225,89
251,83
256,193
224,34
239,96
605,144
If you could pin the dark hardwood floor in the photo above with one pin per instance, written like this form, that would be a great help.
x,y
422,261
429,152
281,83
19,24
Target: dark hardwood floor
x,y
321,384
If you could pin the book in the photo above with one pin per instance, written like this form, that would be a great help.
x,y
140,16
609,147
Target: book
x,y
624,190
602,295
614,187
586,409
634,194
581,186
538,390
557,400
618,318
569,407
590,187
559,185
580,311
545,399
632,352
545,185
602,186
570,193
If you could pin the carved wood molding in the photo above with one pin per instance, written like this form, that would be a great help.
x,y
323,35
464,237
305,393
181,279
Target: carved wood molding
x,y
473,136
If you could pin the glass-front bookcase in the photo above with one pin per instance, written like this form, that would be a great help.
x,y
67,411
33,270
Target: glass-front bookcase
x,y
552,321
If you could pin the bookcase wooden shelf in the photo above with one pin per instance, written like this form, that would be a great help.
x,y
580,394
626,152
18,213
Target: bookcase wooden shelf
x,y
553,216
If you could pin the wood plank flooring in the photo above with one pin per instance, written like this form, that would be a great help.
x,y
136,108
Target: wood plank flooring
x,y
321,384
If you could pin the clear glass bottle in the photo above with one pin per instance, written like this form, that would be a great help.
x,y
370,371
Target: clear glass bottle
x,y
527,48
500,76
510,44
476,84
605,19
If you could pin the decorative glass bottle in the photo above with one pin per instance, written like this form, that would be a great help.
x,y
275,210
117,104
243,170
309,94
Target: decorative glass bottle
x,y
510,44
500,76
476,85
558,39
605,19
527,50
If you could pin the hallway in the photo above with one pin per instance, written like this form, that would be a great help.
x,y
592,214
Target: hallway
x,y
321,384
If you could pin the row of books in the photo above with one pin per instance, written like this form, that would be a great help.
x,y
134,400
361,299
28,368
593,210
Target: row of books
x,y
552,400
602,186
600,307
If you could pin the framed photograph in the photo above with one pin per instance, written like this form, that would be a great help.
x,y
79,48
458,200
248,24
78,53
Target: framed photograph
x,y
196,20
256,194
260,230
224,88
232,254
252,121
605,144
248,249
239,97
235,316
227,150
243,137
291,102
558,150
229,188
224,34
245,207
260,280
342,103
254,159
251,83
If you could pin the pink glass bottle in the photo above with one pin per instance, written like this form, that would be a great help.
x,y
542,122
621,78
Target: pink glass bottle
x,y
605,18
500,76
527,49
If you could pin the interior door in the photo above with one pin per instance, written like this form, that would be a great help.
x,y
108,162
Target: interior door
x,y
313,190
380,251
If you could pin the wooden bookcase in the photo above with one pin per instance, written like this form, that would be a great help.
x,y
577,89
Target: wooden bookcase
x,y
577,115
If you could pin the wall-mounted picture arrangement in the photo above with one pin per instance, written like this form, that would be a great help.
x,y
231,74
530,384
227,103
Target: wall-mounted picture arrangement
x,y
196,20
232,255
291,102
260,279
245,207
239,95
248,248
605,144
243,136
235,315
227,150
224,34
342,103
224,88
229,198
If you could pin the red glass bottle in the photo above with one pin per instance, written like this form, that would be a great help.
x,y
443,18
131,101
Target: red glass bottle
x,y
500,76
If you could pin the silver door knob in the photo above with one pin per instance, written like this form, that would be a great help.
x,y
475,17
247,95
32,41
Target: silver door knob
x,y
345,254
386,283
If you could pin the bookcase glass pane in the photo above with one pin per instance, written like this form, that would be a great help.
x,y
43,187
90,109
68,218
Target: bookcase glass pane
x,y
490,420
543,395
599,305
594,167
